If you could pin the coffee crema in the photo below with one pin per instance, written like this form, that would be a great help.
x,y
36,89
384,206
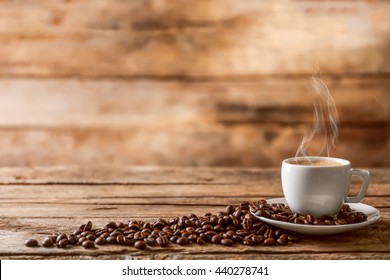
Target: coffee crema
x,y
315,162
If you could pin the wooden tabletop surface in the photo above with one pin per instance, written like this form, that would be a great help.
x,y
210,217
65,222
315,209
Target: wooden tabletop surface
x,y
37,202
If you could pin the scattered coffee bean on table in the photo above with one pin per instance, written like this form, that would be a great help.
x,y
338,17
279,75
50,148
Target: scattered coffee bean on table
x,y
31,243
282,212
235,224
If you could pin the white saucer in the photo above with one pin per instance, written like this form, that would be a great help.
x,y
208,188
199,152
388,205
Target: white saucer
x,y
372,213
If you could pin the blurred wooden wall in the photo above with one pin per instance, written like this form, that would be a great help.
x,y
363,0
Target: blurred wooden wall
x,y
189,82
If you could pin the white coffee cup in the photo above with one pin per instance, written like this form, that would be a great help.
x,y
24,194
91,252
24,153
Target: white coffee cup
x,y
320,185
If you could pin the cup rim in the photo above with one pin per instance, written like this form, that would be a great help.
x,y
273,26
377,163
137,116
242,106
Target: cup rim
x,y
343,162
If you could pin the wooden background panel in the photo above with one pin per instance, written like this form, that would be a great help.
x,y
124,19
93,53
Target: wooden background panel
x,y
117,102
252,123
198,39
190,82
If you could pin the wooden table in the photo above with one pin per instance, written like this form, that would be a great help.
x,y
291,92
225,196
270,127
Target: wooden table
x,y
36,202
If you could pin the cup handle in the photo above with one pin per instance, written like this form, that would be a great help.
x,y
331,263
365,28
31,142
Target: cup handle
x,y
363,190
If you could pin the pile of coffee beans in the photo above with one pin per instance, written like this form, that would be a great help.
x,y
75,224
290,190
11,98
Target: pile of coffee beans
x,y
282,212
234,225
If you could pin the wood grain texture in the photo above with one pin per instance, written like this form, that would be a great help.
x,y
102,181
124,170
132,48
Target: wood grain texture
x,y
31,209
198,39
179,123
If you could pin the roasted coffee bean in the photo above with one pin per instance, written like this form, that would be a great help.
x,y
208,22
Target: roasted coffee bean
x,y
111,225
60,237
227,242
281,212
238,238
270,241
91,237
216,239
100,240
208,227
47,242
81,239
120,239
150,241
111,240
235,224
162,241
88,226
200,241
129,241
230,209
63,243
140,245
174,238
31,243
182,241
258,239
88,244
242,232
282,240
192,237
72,239
86,233
293,238
120,225
78,231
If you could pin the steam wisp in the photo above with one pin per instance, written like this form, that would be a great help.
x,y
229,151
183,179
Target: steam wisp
x,y
325,121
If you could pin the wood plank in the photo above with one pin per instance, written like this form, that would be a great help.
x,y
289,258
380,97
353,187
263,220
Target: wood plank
x,y
223,195
367,241
37,210
206,256
260,145
73,119
151,175
198,39
129,103
132,211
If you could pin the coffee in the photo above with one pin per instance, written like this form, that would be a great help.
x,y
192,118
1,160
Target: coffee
x,y
319,185
316,162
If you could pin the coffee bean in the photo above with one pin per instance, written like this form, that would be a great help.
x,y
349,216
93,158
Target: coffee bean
x,y
235,224
88,244
162,241
88,226
111,240
230,209
91,237
31,243
60,237
200,241
258,239
182,241
150,241
270,241
47,242
111,225
216,239
174,238
129,241
72,239
120,239
63,243
281,212
81,239
227,242
100,240
140,245
282,240
293,238
120,225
